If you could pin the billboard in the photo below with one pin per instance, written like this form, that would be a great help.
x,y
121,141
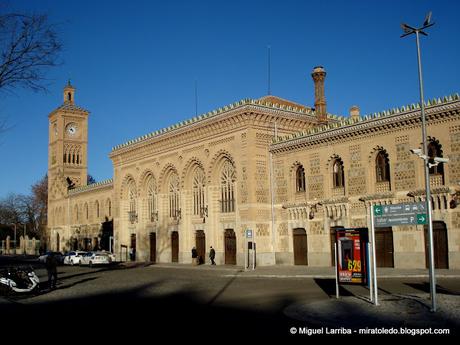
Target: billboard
x,y
352,255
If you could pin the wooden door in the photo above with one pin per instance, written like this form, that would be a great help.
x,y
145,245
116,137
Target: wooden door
x,y
133,247
153,247
384,247
333,239
300,247
440,247
200,240
174,246
230,247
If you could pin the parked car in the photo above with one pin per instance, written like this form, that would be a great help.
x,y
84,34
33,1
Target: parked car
x,y
58,255
73,257
95,258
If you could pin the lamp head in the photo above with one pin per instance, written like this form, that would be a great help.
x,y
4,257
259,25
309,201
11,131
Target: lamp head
x,y
441,160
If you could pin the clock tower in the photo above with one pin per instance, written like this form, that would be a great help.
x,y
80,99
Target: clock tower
x,y
68,146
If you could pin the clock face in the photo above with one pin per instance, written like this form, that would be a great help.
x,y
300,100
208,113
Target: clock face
x,y
72,129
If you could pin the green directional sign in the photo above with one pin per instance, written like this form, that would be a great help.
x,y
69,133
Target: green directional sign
x,y
400,214
378,210
421,218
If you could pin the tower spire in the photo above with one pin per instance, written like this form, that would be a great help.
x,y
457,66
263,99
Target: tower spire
x,y
319,75
69,93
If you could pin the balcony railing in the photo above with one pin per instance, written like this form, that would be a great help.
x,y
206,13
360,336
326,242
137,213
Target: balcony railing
x,y
382,186
132,216
338,191
436,180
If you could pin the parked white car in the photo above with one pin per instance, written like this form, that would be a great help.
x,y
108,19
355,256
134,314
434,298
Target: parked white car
x,y
95,258
73,257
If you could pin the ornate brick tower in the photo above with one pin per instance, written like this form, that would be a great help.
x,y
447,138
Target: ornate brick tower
x,y
318,75
67,149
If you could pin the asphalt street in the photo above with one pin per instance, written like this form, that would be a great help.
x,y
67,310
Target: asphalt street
x,y
219,301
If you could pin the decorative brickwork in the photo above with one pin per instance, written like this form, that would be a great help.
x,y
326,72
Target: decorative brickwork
x,y
316,187
358,223
283,229
263,215
315,164
280,183
404,175
356,181
355,156
357,208
316,228
244,184
262,229
261,182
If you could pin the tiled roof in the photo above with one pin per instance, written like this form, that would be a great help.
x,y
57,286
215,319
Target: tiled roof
x,y
71,107
294,108
93,186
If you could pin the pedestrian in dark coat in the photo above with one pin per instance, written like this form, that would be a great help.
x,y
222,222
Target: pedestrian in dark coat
x,y
194,256
51,269
212,255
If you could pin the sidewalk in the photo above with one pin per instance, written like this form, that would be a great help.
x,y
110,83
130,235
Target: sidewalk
x,y
293,271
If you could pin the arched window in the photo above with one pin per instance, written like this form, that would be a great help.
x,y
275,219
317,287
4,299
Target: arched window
x,y
77,216
132,198
96,206
151,198
174,209
109,208
86,211
199,184
434,150
300,179
338,178
382,167
227,179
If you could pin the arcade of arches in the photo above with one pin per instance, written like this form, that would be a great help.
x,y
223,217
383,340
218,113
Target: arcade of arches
x,y
204,181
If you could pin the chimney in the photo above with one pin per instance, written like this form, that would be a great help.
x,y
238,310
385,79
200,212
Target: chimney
x,y
354,112
318,75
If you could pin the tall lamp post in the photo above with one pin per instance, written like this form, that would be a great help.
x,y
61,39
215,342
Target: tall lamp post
x,y
409,30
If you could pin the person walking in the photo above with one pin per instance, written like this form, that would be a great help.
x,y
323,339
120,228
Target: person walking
x,y
212,255
194,256
51,269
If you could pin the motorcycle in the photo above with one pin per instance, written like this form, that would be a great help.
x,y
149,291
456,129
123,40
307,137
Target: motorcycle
x,y
18,280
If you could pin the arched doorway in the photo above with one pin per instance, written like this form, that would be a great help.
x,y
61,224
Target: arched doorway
x,y
300,247
440,247
230,247
384,247
200,241
174,246
132,249
153,247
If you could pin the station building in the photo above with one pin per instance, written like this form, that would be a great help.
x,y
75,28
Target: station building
x,y
289,172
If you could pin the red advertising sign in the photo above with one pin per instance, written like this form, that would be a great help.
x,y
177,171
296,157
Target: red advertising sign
x,y
351,258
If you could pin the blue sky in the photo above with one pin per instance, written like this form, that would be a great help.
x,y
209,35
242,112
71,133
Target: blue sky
x,y
134,64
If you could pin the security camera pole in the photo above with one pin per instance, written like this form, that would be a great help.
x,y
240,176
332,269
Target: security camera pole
x,y
408,30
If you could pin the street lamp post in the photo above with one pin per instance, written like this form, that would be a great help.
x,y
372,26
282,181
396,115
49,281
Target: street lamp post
x,y
408,30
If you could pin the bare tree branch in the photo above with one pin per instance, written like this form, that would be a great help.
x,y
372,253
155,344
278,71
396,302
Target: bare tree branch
x,y
29,45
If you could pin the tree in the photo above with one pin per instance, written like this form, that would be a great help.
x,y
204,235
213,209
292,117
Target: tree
x,y
90,179
30,210
28,46
39,202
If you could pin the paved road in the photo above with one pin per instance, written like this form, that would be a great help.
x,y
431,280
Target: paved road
x,y
173,300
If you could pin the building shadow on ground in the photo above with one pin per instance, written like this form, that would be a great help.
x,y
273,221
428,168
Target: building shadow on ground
x,y
425,287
